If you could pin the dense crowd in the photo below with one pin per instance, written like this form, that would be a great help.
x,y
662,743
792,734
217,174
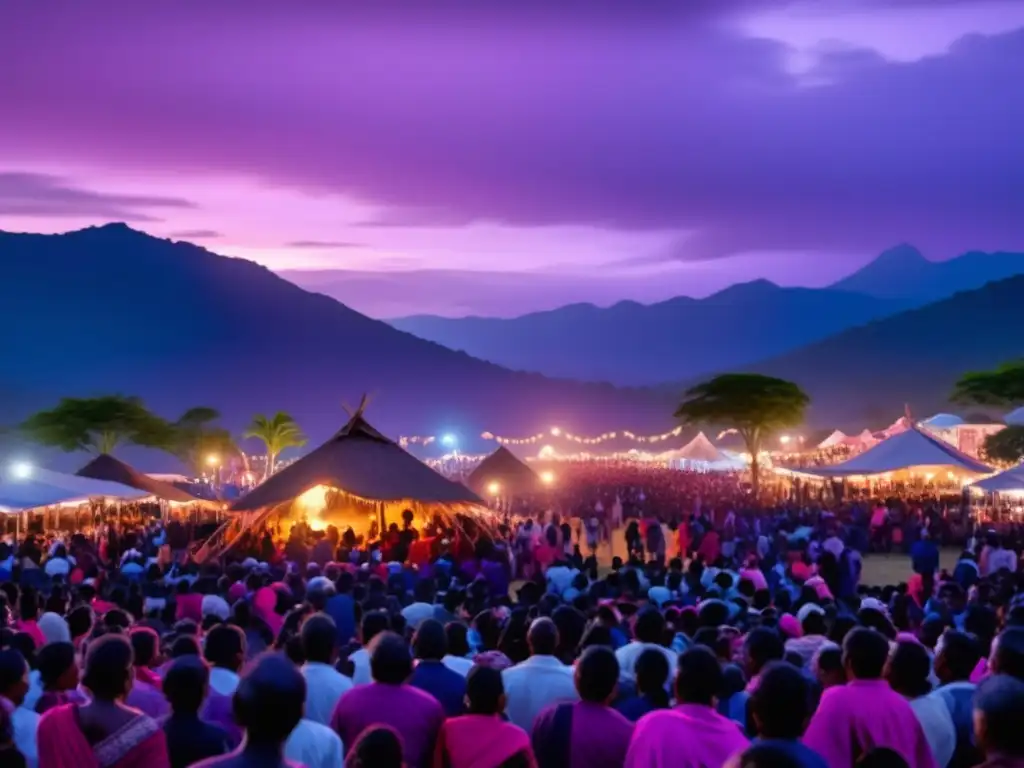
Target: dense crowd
x,y
727,633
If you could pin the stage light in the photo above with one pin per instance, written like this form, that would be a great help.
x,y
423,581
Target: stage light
x,y
556,431
213,459
784,439
448,439
547,477
493,488
21,470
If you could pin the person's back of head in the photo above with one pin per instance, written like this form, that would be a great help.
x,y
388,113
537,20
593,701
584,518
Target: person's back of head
x,y
649,626
997,717
1008,653
597,675
319,637
108,667
485,691
698,677
908,669
882,757
429,642
57,666
390,659
767,756
651,671
864,654
270,699
542,637
957,656
456,637
762,646
225,647
372,624
185,684
781,703
185,646
377,747
13,675
145,645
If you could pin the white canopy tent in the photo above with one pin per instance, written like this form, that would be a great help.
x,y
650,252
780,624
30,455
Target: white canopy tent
x,y
836,438
904,450
700,449
25,488
942,421
1010,481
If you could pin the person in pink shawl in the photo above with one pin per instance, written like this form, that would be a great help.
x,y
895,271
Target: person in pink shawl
x,y
264,607
103,733
866,714
693,735
481,738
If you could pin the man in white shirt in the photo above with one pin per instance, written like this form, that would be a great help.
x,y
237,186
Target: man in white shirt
x,y
324,684
373,623
13,687
314,745
224,650
649,629
539,681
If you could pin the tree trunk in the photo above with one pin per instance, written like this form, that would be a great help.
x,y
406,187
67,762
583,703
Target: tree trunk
x,y
755,474
269,469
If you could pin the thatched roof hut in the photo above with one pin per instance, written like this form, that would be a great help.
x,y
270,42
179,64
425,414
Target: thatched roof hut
x,y
505,469
361,462
106,467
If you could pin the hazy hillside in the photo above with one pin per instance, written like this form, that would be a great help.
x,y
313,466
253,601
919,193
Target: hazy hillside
x,y
112,309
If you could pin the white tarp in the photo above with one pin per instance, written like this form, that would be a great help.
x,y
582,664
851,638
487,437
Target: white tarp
x,y
836,438
1009,481
23,487
700,449
912,448
942,421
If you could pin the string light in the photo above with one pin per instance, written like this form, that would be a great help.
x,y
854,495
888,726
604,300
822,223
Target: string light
x,y
558,433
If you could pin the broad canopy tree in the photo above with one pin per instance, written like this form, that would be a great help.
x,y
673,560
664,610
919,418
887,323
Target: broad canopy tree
x,y
195,436
1002,387
755,406
97,425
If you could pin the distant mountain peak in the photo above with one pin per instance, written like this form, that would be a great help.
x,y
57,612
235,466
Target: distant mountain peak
x,y
903,254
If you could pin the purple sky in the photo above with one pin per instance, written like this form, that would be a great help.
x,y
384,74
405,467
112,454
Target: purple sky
x,y
495,158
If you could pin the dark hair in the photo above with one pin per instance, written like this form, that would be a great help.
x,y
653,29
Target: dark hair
x,y
319,636
762,646
145,645
12,669
377,747
80,620
908,669
108,667
484,689
1000,699
390,660
651,671
597,674
649,626
542,637
225,646
117,618
53,660
186,645
457,638
865,652
699,677
373,623
781,703
769,756
185,683
429,641
1008,653
882,757
270,699
959,655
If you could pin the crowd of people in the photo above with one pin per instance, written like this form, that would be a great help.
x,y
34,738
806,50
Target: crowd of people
x,y
727,633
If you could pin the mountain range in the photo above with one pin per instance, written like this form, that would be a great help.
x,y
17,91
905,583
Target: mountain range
x,y
110,309
684,337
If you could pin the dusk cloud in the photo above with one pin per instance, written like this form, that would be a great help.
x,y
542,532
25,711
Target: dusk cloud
x,y
196,234
660,116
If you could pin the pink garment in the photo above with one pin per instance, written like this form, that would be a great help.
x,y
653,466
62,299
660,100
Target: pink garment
x,y
31,628
236,592
689,736
190,606
62,744
862,715
980,671
264,604
755,576
480,741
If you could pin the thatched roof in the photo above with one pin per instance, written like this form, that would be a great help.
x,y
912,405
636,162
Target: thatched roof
x,y
361,461
106,467
505,468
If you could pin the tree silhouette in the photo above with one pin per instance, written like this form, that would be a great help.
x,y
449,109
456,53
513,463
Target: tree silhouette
x,y
277,433
97,425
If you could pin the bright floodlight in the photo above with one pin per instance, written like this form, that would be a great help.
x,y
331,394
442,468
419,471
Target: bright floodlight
x,y
213,459
448,439
493,488
21,470
784,439
547,477
556,431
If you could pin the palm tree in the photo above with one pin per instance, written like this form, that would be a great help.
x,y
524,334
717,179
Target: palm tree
x,y
277,433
